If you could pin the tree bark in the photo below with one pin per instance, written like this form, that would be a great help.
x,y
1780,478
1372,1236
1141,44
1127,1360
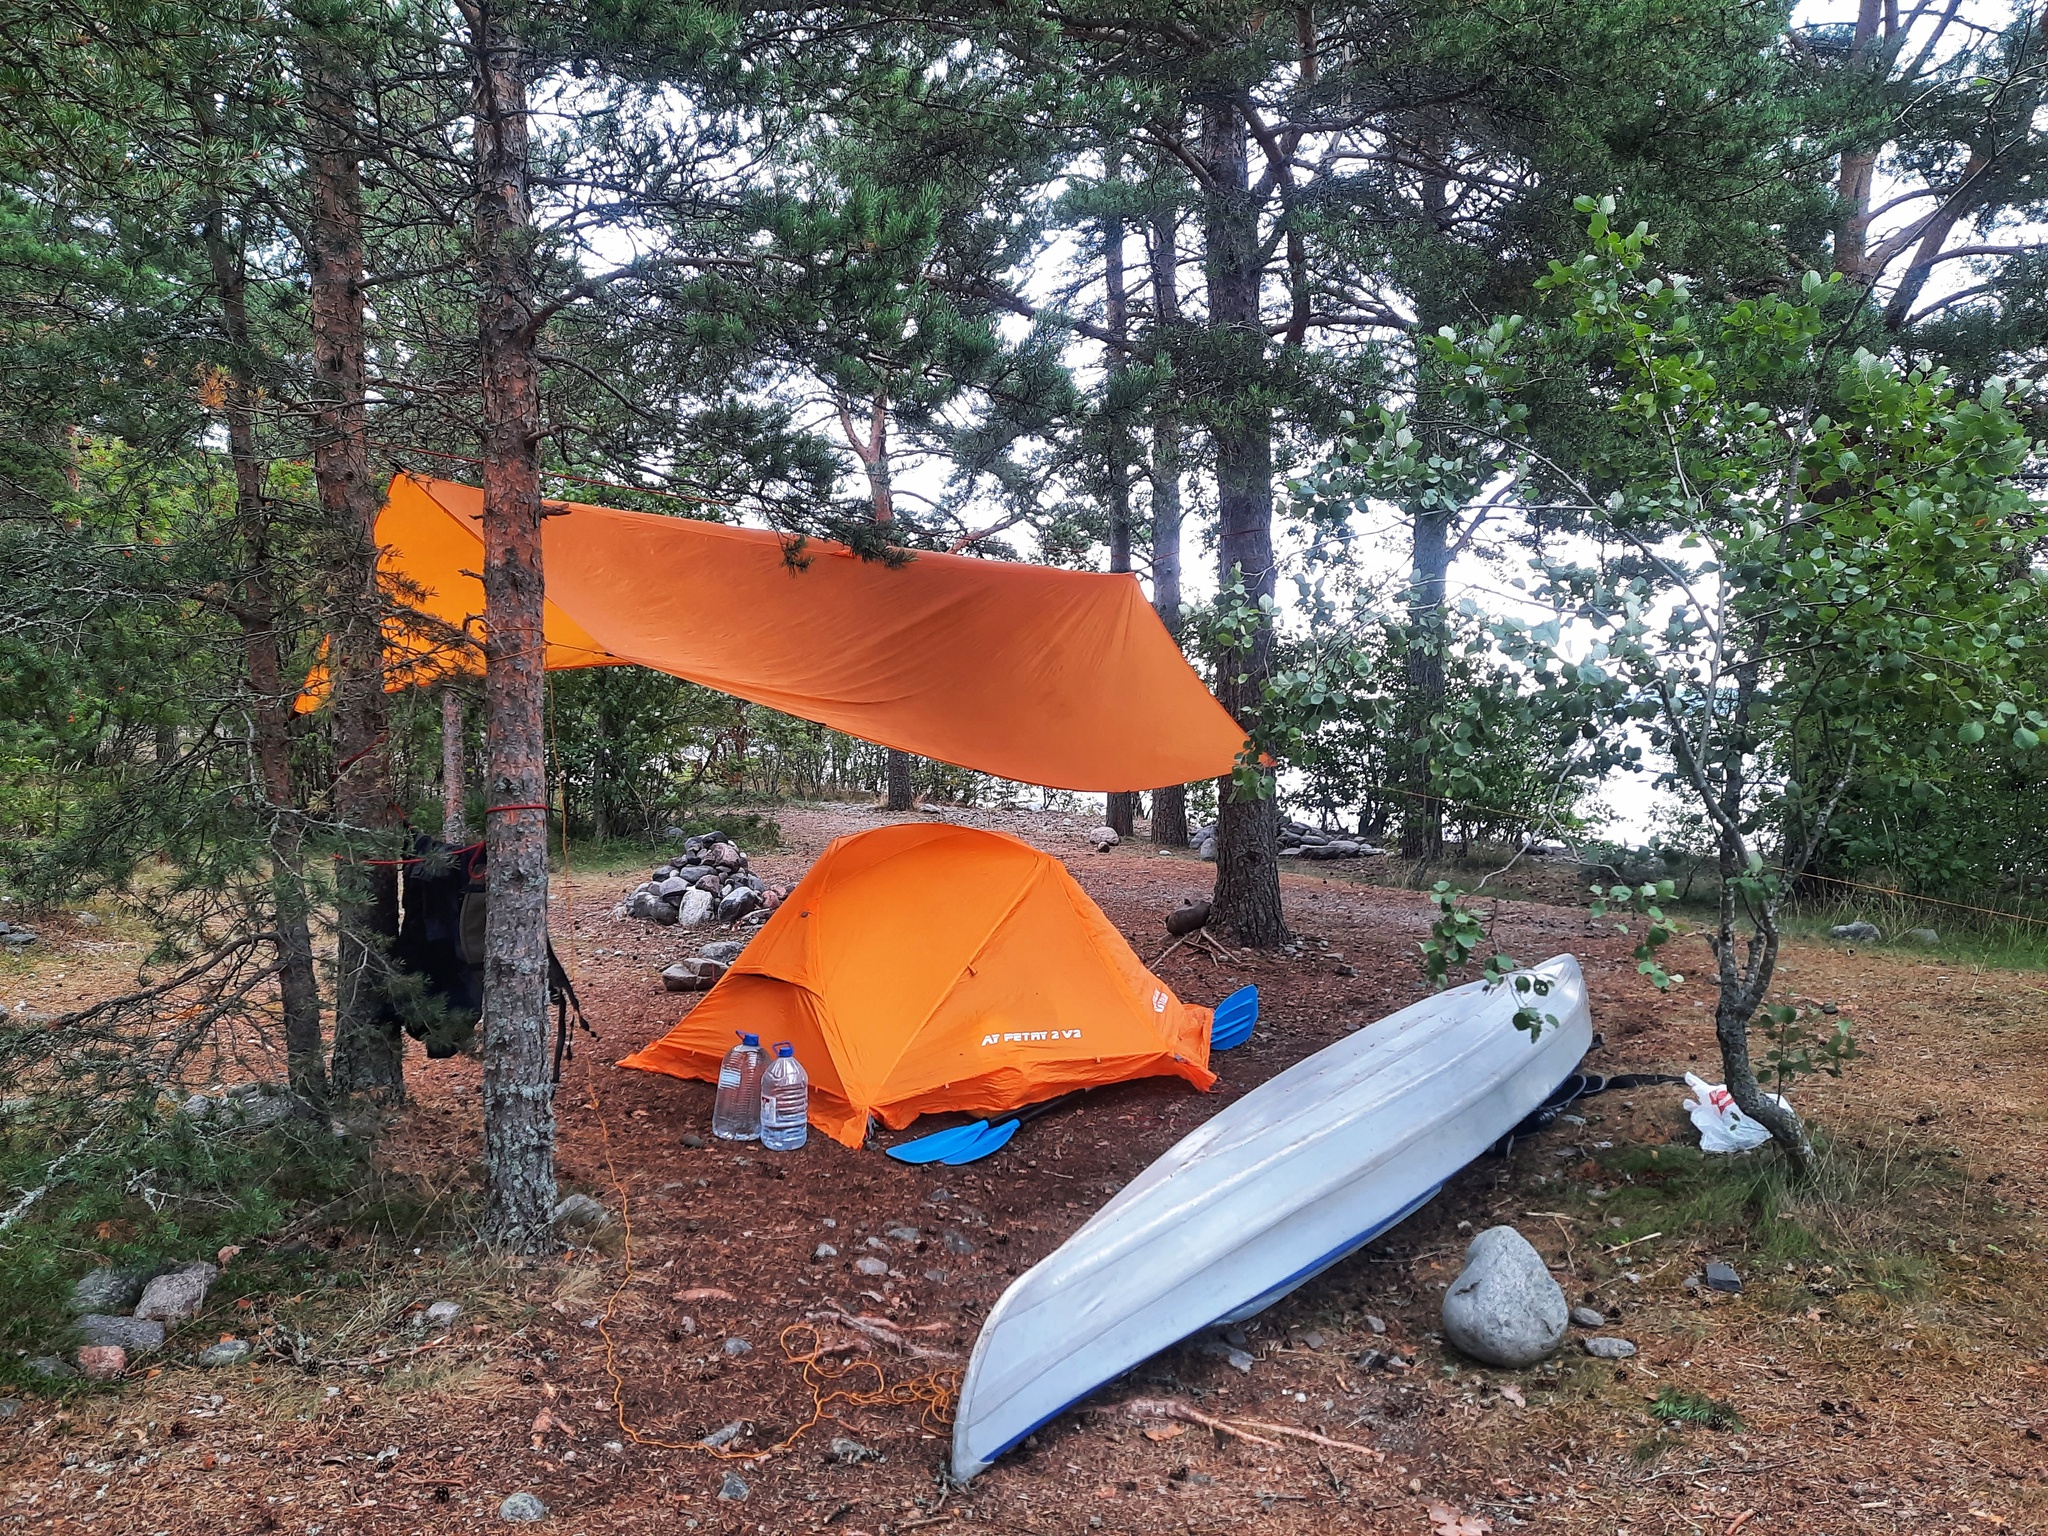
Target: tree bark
x,y
1743,984
1247,896
1121,808
872,449
255,607
519,1119
1857,169
369,1047
900,790
1170,801
1422,812
454,788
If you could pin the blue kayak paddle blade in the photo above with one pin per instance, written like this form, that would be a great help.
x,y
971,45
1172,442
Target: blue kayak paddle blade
x,y
993,1139
1234,1018
936,1147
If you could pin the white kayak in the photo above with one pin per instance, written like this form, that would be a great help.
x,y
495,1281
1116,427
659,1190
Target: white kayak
x,y
1295,1175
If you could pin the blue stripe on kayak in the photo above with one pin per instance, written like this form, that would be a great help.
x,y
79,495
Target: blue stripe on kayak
x,y
1349,1246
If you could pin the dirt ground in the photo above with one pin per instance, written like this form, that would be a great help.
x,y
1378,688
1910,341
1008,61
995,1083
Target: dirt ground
x,y
1888,1365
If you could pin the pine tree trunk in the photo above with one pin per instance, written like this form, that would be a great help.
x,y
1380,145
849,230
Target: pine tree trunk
x,y
1857,169
270,715
519,1119
1169,801
1422,812
1247,896
899,787
369,1049
1120,810
454,785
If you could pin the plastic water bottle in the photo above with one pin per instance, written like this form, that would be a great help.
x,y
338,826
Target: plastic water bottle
x,y
736,1115
785,1101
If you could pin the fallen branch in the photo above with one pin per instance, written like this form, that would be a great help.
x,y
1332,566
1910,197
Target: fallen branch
x,y
1315,1439
881,1332
1168,1408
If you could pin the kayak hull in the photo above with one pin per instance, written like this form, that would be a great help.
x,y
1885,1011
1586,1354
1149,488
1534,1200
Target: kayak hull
x,y
1284,1183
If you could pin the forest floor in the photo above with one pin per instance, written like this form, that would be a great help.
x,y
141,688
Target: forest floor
x,y
1884,1369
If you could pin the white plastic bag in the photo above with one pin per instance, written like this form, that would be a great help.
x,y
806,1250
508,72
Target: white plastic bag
x,y
1723,1127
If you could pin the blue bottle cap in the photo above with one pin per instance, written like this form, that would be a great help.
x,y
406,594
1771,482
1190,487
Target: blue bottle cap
x,y
747,1039
784,1048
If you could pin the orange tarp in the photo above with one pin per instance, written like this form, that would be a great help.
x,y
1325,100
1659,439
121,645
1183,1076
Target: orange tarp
x,y
928,967
1062,678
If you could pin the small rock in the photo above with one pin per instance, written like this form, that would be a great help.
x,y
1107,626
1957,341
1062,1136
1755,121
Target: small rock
x,y
1588,1317
1312,1340
1606,1347
1104,838
17,938
1504,1308
1237,1358
580,1211
724,951
443,1314
226,1352
1722,1277
51,1368
9,1407
650,908
737,1347
877,1244
1926,938
108,1289
737,903
1857,932
871,1266
102,1362
1376,1324
734,1489
901,1234
1207,852
718,1439
956,1243
824,1251
694,908
692,1140
522,1509
848,1452
138,1335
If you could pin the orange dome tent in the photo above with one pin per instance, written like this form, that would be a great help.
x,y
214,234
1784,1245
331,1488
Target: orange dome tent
x,y
929,967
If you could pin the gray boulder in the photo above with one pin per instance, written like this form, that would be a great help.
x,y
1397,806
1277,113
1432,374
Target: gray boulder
x,y
671,887
226,1352
1207,851
737,903
649,908
694,975
694,909
690,874
724,951
580,1211
1103,838
17,938
1856,933
176,1297
1504,1308
136,1334
108,1289
522,1508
